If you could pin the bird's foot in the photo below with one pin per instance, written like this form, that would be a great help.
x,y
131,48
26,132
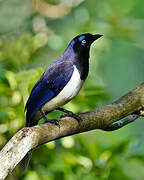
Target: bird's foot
x,y
53,121
71,114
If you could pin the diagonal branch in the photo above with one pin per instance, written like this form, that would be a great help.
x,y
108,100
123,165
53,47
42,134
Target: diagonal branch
x,y
100,118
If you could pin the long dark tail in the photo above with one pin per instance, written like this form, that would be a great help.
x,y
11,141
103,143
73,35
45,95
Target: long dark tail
x,y
25,161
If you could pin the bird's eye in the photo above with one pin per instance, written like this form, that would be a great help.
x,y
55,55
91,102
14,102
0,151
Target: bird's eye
x,y
84,41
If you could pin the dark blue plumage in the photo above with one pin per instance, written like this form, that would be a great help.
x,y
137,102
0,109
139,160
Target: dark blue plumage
x,y
58,75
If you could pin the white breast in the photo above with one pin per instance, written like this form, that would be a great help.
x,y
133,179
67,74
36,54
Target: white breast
x,y
68,92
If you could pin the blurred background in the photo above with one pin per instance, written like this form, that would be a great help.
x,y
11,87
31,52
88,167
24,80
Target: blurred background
x,y
32,35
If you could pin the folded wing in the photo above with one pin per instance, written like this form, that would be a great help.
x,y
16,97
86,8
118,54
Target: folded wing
x,y
50,84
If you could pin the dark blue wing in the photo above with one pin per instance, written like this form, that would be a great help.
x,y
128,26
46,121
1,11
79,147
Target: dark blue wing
x,y
50,84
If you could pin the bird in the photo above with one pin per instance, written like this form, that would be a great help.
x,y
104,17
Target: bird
x,y
61,81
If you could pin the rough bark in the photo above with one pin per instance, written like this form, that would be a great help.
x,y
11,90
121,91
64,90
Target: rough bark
x,y
99,118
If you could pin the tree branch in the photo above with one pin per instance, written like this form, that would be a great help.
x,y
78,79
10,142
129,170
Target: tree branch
x,y
99,118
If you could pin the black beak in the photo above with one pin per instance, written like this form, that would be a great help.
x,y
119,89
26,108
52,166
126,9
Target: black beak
x,y
96,36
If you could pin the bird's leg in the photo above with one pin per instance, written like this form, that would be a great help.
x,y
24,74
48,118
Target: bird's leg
x,y
53,121
70,113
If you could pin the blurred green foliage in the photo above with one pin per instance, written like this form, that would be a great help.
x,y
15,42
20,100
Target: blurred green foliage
x,y
29,43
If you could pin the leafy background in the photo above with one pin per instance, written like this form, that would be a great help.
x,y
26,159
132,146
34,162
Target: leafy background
x,y
29,42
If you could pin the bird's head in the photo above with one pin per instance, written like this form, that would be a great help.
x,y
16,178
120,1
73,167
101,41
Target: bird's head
x,y
83,42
